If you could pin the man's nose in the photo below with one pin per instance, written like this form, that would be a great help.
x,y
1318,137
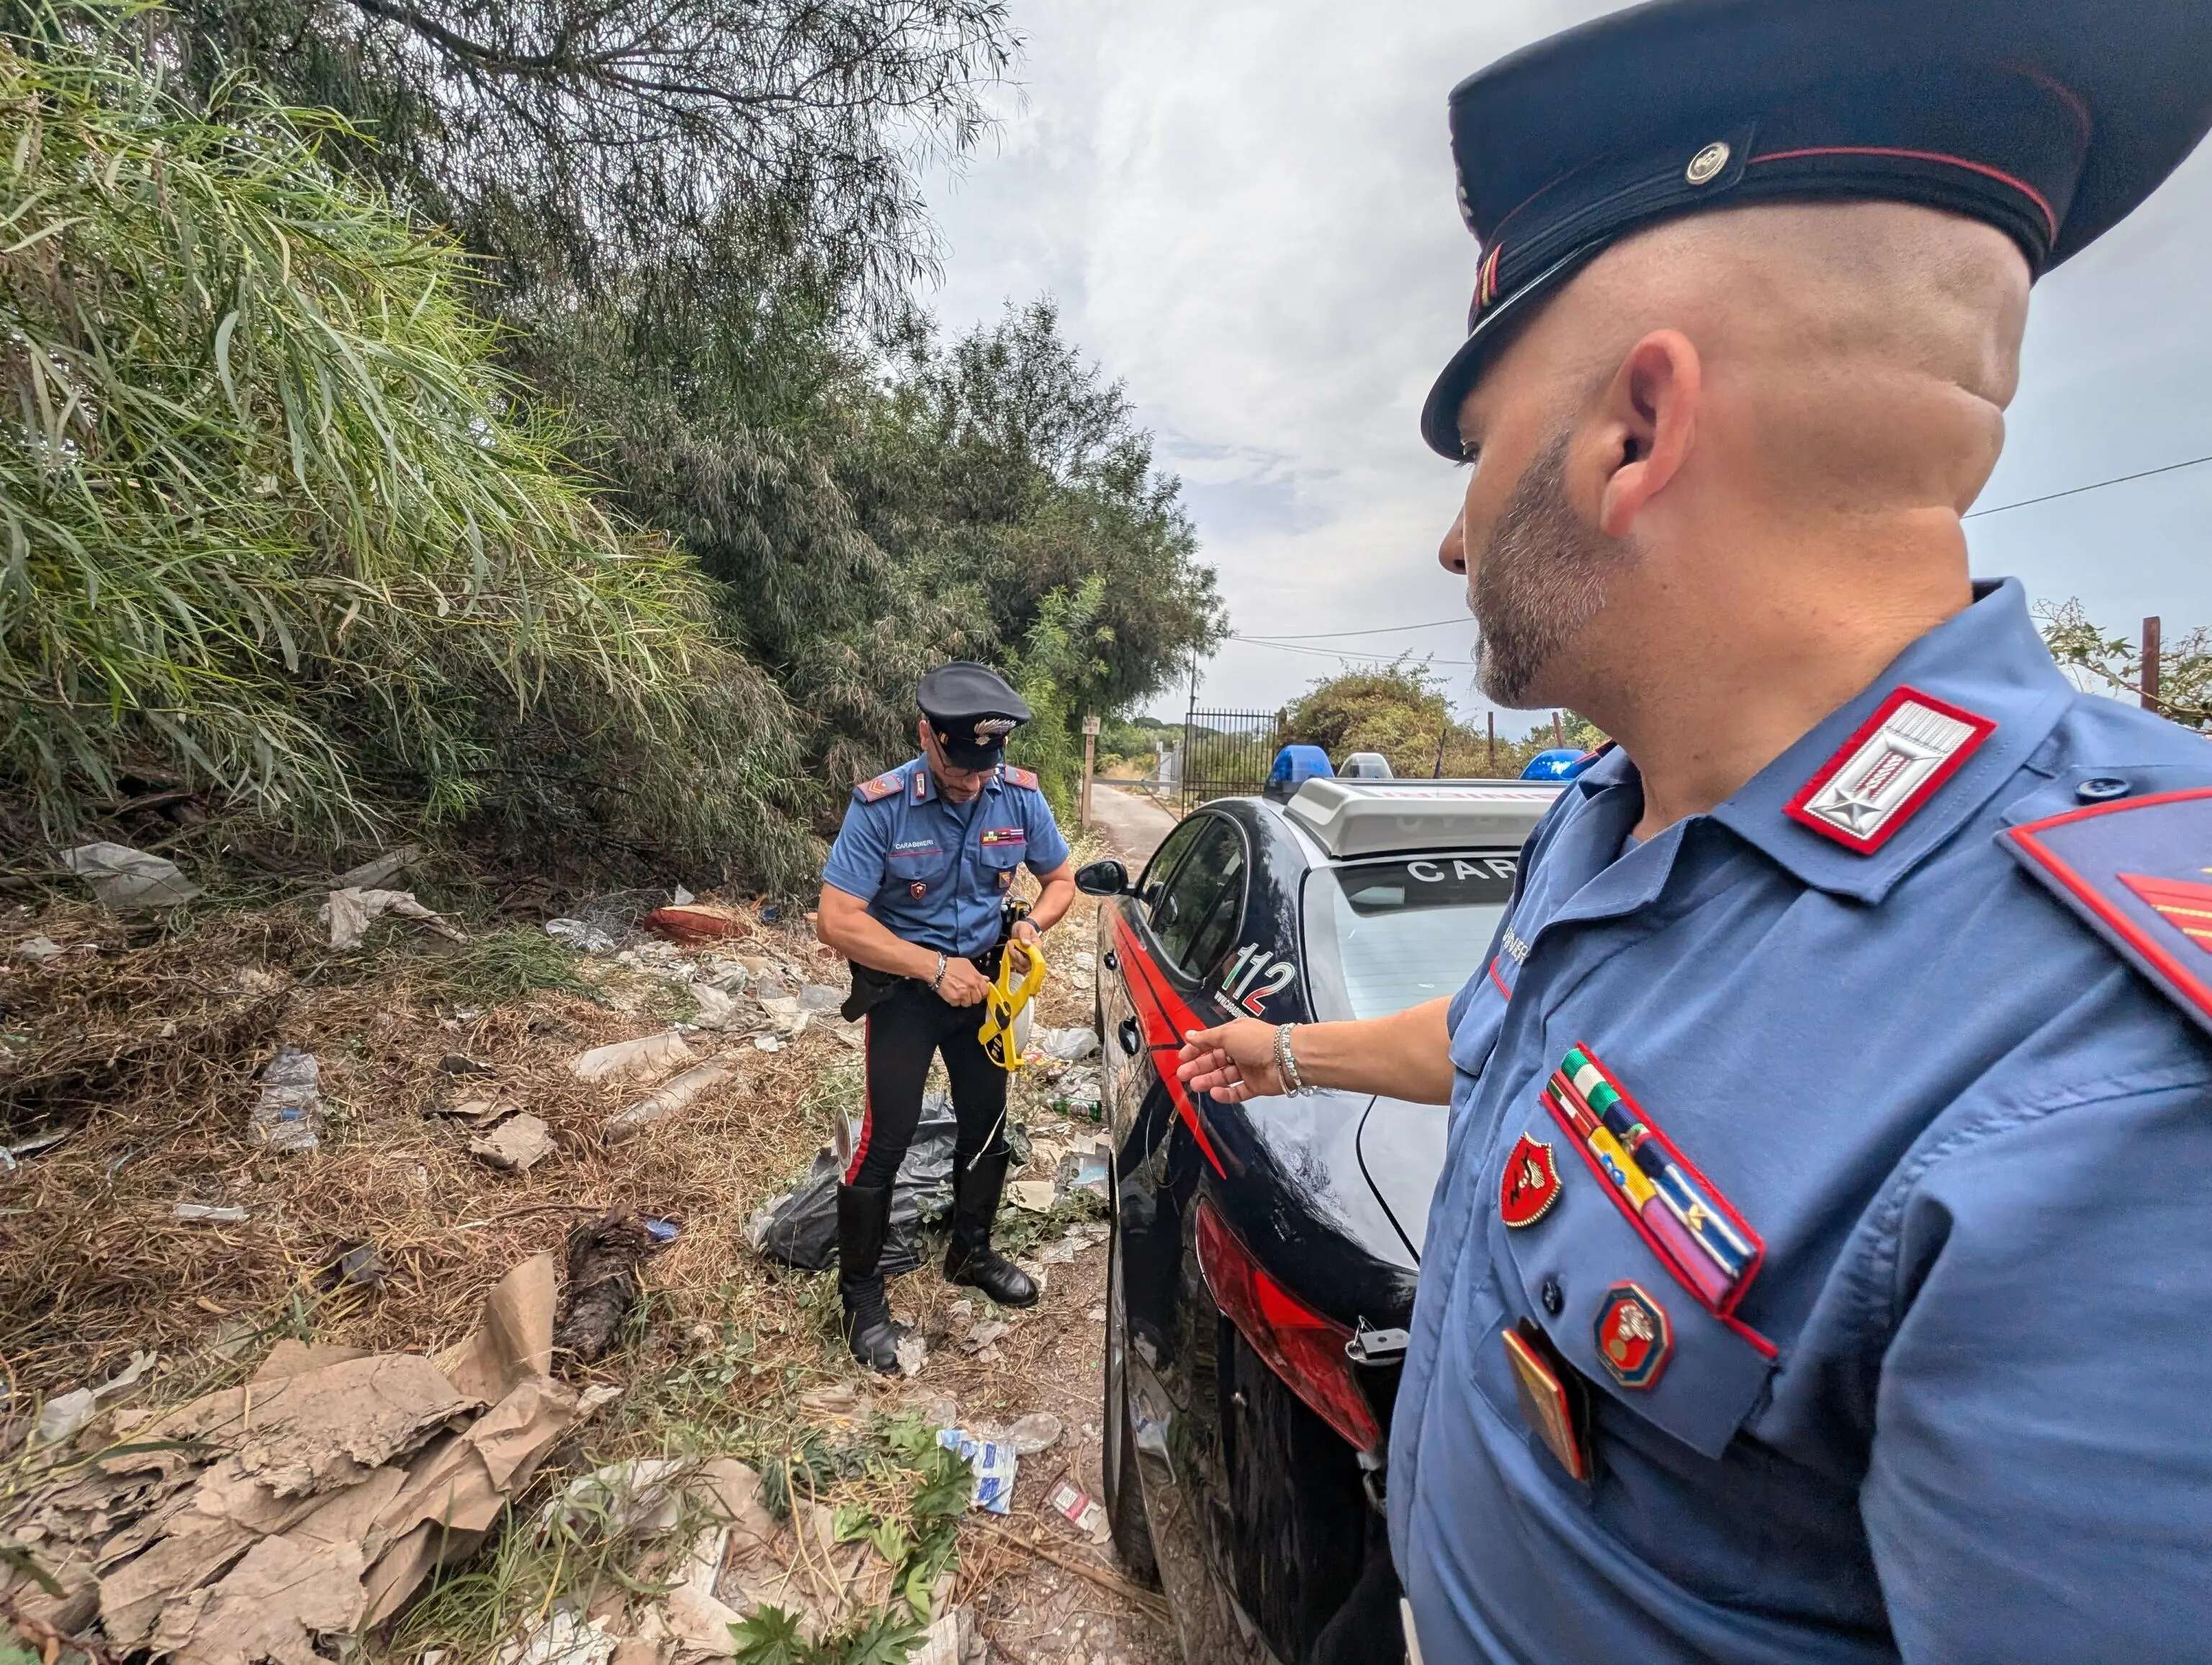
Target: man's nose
x,y
1453,551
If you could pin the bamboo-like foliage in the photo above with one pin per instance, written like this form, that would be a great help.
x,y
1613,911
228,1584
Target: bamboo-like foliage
x,y
270,520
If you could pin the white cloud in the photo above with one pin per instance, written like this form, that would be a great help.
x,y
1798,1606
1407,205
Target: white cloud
x,y
1246,212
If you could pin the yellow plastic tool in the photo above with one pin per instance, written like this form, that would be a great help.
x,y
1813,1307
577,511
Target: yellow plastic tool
x,y
1008,993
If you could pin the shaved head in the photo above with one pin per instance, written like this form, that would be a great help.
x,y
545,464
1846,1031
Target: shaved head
x,y
1728,417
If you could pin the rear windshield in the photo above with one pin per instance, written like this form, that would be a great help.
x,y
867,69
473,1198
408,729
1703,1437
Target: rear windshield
x,y
1384,936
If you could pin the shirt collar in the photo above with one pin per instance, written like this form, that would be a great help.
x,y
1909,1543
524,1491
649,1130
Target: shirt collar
x,y
1988,663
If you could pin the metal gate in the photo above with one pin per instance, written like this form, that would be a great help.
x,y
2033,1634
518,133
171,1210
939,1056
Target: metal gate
x,y
1226,754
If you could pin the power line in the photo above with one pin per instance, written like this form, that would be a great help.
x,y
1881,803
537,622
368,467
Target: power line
x,y
1318,652
2093,486
1384,630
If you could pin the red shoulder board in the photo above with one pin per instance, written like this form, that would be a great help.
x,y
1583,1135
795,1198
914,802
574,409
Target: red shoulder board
x,y
875,790
1019,776
1878,778
2138,872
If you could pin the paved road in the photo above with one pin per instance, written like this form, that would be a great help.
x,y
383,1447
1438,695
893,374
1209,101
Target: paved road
x,y
1131,822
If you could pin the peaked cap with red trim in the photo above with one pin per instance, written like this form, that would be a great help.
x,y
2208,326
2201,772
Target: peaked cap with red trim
x,y
2049,119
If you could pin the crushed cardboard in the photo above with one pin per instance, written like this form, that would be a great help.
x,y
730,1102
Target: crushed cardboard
x,y
265,1521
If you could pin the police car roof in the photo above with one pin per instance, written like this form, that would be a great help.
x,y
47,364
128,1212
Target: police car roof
x,y
1388,817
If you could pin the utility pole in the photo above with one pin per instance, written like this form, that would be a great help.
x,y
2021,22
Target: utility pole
x,y
1493,746
1089,761
1559,734
2152,651
1443,728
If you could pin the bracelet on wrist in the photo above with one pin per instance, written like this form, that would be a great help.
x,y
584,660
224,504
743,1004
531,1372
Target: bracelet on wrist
x,y
937,980
1286,1063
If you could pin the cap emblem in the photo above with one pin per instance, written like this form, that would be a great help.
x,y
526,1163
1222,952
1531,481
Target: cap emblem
x,y
993,728
1705,166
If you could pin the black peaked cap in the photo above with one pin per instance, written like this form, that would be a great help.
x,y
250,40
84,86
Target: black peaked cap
x,y
973,709
2050,119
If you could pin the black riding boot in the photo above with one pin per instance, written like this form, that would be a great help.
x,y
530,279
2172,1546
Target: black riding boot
x,y
864,1219
970,1260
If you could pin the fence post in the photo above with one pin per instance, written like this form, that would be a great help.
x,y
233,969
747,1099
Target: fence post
x,y
1089,761
1492,770
1559,734
2152,651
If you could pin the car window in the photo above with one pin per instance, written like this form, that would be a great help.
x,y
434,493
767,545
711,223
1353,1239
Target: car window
x,y
1384,936
1204,899
1172,850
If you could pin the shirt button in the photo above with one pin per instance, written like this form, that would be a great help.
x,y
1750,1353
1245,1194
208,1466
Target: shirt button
x,y
2101,790
1552,1297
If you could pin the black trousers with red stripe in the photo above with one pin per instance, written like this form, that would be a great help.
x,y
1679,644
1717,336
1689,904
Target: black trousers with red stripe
x,y
905,1030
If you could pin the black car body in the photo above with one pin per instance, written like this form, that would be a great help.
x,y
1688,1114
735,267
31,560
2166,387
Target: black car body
x,y
1264,1254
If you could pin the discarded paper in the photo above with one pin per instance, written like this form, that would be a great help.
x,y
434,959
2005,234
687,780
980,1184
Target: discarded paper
x,y
647,1059
349,913
124,879
518,1144
993,1464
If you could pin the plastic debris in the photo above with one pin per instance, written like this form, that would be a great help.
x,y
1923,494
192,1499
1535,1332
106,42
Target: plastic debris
x,y
562,1639
124,879
1079,1509
208,1214
518,1144
648,1058
1069,1045
730,976
349,913
585,939
664,1231
682,897
1030,1436
815,998
288,1117
913,1354
39,949
1031,1195
952,1640
800,1227
788,1016
460,1063
12,1156
995,1464
716,1010
768,1043
380,870
362,1266
63,1414
670,1097
697,922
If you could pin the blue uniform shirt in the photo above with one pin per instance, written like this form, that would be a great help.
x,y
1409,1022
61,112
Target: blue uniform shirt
x,y
933,872
1954,1404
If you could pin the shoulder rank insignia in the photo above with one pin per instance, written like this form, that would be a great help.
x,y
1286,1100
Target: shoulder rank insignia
x,y
882,787
2139,873
1863,796
1019,776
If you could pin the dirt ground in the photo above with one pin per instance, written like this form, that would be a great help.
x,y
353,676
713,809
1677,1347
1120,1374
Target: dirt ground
x,y
130,1056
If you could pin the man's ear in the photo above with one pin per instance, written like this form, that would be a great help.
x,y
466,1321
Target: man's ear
x,y
1648,423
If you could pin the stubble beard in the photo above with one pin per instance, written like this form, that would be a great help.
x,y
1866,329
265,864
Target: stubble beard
x,y
1541,578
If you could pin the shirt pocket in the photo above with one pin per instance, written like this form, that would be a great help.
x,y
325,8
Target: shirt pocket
x,y
1475,1038
927,864
1611,1304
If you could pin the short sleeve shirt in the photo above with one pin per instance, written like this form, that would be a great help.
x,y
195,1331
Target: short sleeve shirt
x,y
1907,1364
933,873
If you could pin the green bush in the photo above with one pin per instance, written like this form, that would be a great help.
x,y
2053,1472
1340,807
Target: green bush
x,y
272,525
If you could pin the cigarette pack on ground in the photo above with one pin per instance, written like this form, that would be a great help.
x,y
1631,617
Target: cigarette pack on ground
x,y
994,1463
1079,1508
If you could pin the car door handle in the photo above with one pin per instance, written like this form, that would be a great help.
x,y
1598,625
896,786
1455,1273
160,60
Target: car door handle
x,y
1113,961
1130,1040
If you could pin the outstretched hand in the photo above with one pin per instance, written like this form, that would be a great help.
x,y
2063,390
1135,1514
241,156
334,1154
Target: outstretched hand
x,y
1232,1063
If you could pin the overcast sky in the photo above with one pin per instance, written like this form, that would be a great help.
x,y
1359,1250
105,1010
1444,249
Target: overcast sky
x,y
1245,211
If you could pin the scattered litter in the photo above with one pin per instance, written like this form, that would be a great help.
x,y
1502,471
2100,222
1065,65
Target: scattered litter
x,y
562,1639
349,912
123,878
1078,1095
1032,1195
65,1414
788,1016
361,1266
855,1035
1069,1045
518,1144
682,897
952,1640
648,1058
604,1284
669,1097
839,1399
1079,1509
768,1043
275,1519
380,870
913,1354
989,1333
815,998
1090,1174
479,1108
697,922
37,949
1085,961
585,939
716,1009
288,1117
460,1063
664,1231
993,1464
12,1155
633,1498
1029,1436
208,1214
1097,1314
800,1227
730,976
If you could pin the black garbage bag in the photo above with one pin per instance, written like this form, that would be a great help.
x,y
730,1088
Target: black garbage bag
x,y
800,1227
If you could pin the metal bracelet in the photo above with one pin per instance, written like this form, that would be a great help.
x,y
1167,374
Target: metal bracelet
x,y
942,962
1286,1063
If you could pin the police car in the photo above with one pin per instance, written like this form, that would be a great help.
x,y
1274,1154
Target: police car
x,y
1264,1254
